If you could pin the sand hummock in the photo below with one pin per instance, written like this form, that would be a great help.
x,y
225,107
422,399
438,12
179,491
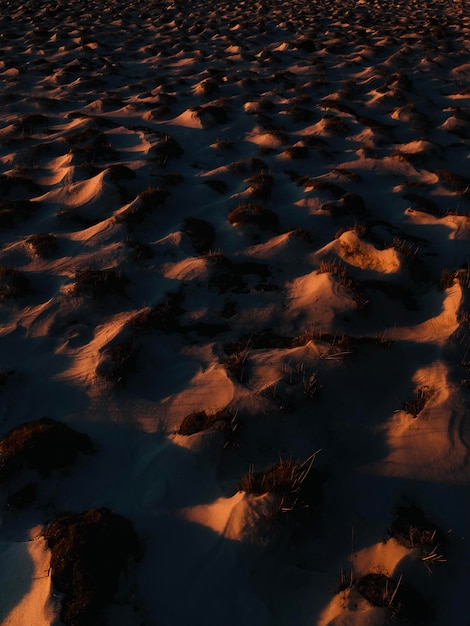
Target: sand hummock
x,y
235,256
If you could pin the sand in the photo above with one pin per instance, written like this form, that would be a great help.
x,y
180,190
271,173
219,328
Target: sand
x,y
260,211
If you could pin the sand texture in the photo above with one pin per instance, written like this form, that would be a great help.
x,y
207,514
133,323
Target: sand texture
x,y
235,313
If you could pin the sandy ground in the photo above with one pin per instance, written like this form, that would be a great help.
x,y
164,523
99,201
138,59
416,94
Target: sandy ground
x,y
260,211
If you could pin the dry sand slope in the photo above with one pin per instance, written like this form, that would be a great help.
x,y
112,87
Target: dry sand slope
x,y
234,255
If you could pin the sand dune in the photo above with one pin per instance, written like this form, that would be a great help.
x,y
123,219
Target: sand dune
x,y
235,255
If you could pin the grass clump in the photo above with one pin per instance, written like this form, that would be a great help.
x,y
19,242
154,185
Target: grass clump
x,y
119,361
162,317
43,445
224,421
401,599
412,529
298,485
99,284
254,214
416,405
89,551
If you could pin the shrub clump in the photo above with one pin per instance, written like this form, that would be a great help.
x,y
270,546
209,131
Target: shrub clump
x,y
256,215
297,483
397,596
43,445
89,550
225,421
415,531
99,284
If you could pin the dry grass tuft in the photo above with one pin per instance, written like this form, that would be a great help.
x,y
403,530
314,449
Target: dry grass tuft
x,y
417,404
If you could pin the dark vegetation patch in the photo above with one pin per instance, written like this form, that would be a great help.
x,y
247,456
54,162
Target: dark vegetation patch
x,y
43,244
31,123
414,530
302,234
335,125
260,185
43,445
252,164
298,484
455,182
167,148
266,339
416,405
148,201
13,284
224,421
118,362
91,145
99,284
201,233
337,105
348,204
339,271
256,215
89,552
446,279
163,316
236,365
213,113
297,152
399,597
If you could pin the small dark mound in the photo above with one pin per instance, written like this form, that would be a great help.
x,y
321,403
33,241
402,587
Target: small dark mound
x,y
397,596
89,550
201,233
43,445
